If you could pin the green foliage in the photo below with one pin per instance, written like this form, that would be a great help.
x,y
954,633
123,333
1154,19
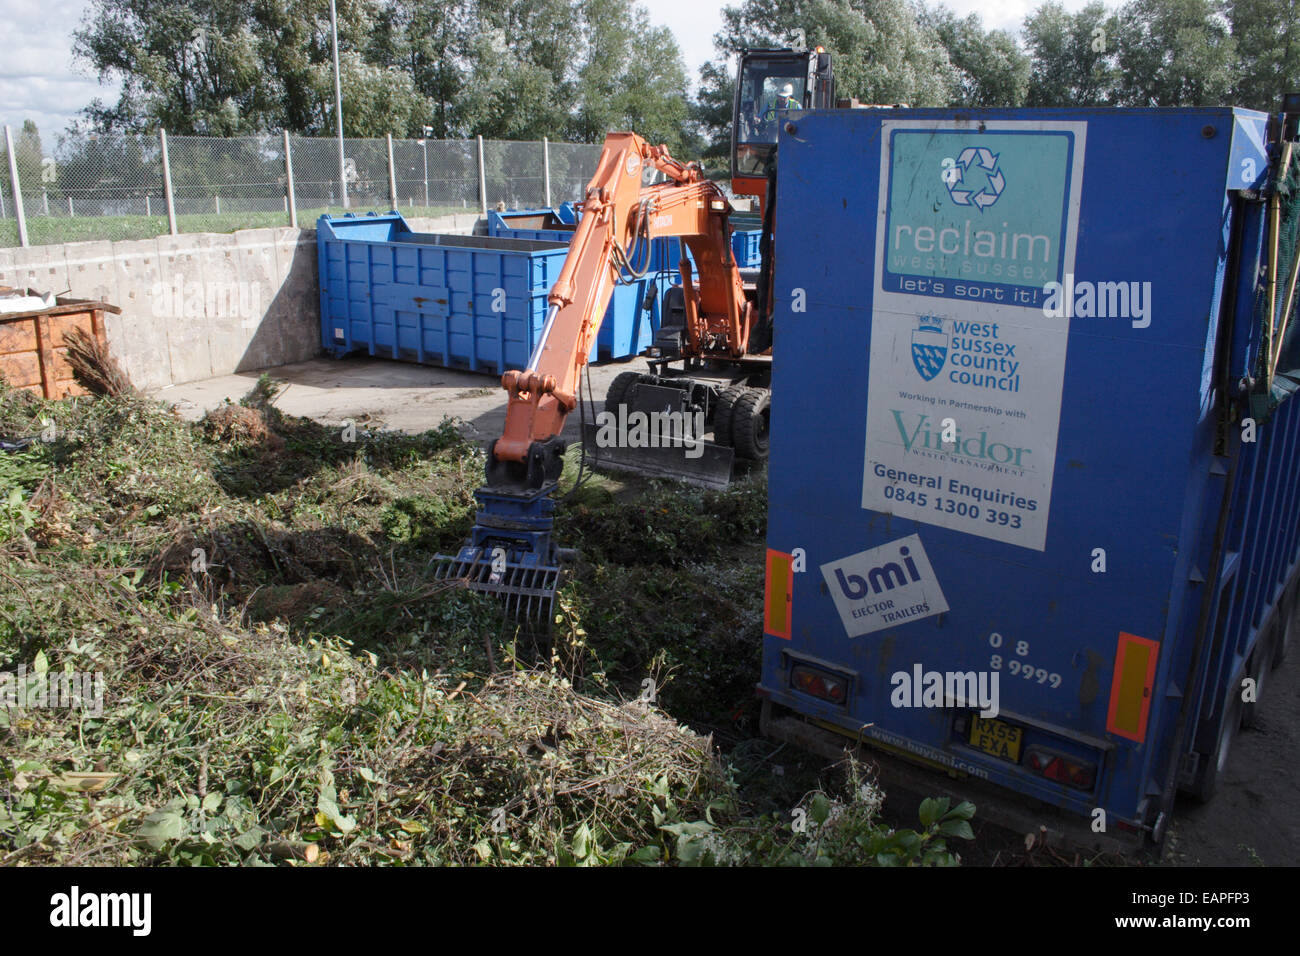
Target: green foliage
x,y
507,69
991,68
1072,54
1174,53
1267,35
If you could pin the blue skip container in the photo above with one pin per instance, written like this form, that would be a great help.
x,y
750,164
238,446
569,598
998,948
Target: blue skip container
x,y
632,318
467,302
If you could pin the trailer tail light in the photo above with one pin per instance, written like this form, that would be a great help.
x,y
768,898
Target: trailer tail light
x,y
819,684
1071,771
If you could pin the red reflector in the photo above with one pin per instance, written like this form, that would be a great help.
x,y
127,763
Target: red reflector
x,y
819,685
1070,771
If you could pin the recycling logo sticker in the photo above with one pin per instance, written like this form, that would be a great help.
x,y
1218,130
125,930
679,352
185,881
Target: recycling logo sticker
x,y
976,166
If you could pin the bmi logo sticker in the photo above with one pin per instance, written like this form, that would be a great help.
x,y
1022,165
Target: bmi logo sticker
x,y
929,347
882,587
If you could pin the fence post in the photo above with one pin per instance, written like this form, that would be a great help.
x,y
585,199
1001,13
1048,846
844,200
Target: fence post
x,y
167,183
482,180
288,183
392,174
546,169
17,187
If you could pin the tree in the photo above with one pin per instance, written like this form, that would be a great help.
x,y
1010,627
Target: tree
x,y
1174,53
630,77
881,53
1267,33
518,69
991,68
29,157
1072,56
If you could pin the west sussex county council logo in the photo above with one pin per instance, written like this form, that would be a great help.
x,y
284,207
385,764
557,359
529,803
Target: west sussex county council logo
x,y
929,346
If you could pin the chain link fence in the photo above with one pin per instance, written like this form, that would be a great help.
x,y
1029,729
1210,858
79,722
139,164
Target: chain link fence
x,y
118,186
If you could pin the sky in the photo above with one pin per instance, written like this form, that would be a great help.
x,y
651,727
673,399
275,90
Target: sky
x,y
38,80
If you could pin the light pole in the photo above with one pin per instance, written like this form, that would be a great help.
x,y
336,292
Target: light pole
x,y
338,101
424,145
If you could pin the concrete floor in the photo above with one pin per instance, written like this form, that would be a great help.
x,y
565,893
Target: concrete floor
x,y
380,393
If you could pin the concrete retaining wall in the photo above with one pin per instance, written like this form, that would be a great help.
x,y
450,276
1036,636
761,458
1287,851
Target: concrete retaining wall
x,y
195,306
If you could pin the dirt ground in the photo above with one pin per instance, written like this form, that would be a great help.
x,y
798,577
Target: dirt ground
x,y
380,393
1254,819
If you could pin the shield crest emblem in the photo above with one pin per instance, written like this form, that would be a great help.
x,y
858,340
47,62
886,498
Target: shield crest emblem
x,y
929,349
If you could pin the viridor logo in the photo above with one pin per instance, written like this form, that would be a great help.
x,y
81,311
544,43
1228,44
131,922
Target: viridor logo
x,y
919,432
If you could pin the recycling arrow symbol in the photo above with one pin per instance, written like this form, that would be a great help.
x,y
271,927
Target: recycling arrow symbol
x,y
985,159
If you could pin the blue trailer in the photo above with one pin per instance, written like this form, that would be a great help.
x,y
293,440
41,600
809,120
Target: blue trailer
x,y
1033,485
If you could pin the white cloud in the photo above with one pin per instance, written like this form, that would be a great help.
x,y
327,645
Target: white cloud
x,y
37,78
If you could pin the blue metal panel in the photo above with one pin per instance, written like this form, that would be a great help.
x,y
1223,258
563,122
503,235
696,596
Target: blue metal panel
x,y
1139,460
429,298
629,325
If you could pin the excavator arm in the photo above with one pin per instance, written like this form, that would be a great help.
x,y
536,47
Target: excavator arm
x,y
510,552
619,218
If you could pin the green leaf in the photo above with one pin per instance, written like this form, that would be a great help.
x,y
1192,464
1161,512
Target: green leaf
x,y
648,854
211,802
249,838
963,811
932,808
582,842
820,809
334,817
956,828
40,664
161,826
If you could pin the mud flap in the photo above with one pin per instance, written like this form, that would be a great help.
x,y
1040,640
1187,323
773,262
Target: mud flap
x,y
699,463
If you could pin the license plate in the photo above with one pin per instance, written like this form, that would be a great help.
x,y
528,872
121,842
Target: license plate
x,y
996,738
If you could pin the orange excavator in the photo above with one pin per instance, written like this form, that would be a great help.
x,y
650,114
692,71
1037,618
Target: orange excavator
x,y
716,324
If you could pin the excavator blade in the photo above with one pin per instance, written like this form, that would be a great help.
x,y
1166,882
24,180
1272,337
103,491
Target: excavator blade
x,y
697,462
509,554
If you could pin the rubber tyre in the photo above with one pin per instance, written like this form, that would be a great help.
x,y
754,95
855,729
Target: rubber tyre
x,y
1282,641
1211,770
723,415
619,389
750,424
1261,665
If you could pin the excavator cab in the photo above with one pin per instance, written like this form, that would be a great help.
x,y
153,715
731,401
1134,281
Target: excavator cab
x,y
770,83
